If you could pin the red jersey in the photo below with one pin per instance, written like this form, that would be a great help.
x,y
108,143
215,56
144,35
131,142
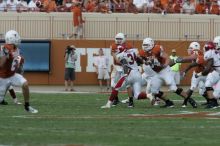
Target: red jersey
x,y
12,61
154,57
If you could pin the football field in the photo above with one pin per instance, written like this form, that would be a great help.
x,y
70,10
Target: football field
x,y
77,120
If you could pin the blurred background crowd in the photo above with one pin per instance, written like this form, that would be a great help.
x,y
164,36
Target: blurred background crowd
x,y
114,6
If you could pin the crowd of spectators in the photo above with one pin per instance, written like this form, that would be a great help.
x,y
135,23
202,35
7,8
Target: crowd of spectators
x,y
115,6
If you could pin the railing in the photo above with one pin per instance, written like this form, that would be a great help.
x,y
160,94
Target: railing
x,y
104,26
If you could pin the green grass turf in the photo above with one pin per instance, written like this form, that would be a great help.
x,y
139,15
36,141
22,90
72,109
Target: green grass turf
x,y
76,119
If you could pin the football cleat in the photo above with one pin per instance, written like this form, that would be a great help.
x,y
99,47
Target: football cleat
x,y
131,102
108,105
192,102
15,100
31,110
184,104
115,102
213,104
125,101
168,104
3,102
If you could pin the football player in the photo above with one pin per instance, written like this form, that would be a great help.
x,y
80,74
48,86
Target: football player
x,y
198,63
131,78
157,58
9,62
117,47
212,70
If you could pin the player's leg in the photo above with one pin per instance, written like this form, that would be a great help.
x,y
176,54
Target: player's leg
x,y
13,95
211,80
114,93
4,83
20,81
169,80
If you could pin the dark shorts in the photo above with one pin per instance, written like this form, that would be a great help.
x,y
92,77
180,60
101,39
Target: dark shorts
x,y
69,74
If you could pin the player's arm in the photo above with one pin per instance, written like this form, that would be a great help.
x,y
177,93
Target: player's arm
x,y
2,61
208,67
166,57
4,54
192,65
186,59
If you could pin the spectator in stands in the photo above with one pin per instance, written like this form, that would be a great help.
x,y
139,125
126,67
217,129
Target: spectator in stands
x,y
70,60
91,6
119,6
188,7
11,5
59,2
22,5
214,8
177,6
50,6
200,7
32,5
150,5
130,7
101,65
158,7
77,20
164,2
67,5
141,5
104,7
169,7
3,5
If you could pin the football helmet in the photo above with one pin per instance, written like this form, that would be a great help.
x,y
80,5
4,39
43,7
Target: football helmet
x,y
216,41
194,46
148,44
120,38
12,37
209,46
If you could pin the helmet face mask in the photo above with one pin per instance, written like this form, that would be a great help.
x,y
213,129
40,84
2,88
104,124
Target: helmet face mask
x,y
148,44
120,39
216,41
194,46
12,37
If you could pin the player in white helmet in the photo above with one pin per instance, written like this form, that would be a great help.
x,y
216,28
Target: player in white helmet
x,y
131,79
9,63
197,62
216,41
117,47
155,57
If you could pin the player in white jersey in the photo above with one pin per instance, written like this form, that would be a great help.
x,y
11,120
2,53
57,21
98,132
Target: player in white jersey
x,y
132,78
212,56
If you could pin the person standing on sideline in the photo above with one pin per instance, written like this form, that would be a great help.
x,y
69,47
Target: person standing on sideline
x,y
70,59
101,65
77,20
175,68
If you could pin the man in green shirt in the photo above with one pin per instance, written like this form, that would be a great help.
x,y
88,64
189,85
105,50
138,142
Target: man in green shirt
x,y
175,68
70,59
